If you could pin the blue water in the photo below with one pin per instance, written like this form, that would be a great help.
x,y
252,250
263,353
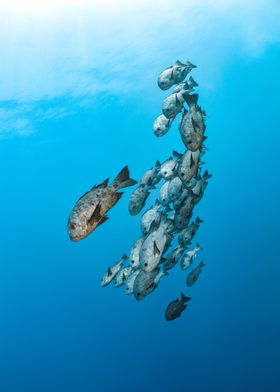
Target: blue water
x,y
60,331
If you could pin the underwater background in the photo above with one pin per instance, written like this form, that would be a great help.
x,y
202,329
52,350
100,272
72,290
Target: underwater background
x,y
78,97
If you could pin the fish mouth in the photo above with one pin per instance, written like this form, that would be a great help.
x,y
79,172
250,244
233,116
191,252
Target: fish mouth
x,y
74,238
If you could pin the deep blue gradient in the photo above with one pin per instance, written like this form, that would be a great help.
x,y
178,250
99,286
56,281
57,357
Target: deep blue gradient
x,y
60,331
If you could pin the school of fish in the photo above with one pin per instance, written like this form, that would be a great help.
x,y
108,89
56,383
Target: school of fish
x,y
167,227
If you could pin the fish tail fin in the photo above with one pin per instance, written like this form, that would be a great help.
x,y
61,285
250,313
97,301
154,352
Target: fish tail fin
x,y
199,220
122,180
184,298
191,65
192,82
191,99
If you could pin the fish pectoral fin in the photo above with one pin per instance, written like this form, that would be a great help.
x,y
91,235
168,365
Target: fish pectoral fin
x,y
96,215
156,249
192,161
194,124
109,272
103,220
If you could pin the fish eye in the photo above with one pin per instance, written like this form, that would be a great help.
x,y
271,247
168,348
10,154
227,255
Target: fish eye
x,y
132,261
73,226
146,264
138,294
165,172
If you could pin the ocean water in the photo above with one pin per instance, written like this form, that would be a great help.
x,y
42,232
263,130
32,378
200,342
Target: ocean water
x,y
60,330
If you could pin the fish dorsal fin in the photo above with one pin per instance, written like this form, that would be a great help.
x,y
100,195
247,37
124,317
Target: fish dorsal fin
x,y
176,154
156,249
103,220
96,215
103,184
178,62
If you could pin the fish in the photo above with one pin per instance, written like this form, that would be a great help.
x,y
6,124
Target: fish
x,y
150,216
174,74
166,79
90,210
122,275
177,203
168,168
180,70
163,194
129,282
113,271
198,185
173,104
161,274
189,257
194,274
162,125
138,198
188,166
144,283
153,247
188,85
151,177
184,213
186,235
134,254
174,188
192,125
172,259
175,308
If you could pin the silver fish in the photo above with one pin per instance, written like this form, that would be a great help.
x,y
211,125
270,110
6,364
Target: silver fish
x,y
177,203
153,248
168,168
174,74
194,274
166,79
150,216
174,188
175,308
129,283
138,198
190,256
134,254
151,177
172,259
122,276
163,194
189,165
180,70
161,274
162,125
188,85
113,271
90,210
192,124
144,283
173,104
186,235
184,213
